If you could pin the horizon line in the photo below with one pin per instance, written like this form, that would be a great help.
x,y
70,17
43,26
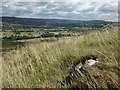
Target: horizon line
x,y
59,18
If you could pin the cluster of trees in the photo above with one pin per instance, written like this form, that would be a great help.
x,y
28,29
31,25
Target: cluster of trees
x,y
17,36
12,37
54,35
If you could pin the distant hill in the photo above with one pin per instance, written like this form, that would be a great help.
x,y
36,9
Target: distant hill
x,y
54,22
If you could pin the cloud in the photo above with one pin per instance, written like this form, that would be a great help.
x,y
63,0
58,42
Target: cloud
x,y
88,10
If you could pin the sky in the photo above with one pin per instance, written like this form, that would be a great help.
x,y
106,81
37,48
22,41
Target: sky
x,y
62,9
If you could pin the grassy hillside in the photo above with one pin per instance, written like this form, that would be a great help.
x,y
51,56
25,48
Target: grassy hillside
x,y
48,64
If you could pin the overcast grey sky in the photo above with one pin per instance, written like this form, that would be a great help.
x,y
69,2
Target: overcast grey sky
x,y
65,9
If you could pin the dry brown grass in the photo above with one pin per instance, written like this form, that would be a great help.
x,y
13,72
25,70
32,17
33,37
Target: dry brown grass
x,y
47,64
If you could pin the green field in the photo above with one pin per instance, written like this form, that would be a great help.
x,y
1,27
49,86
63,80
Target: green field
x,y
47,63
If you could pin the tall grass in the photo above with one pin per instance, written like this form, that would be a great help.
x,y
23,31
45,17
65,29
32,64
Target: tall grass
x,y
47,64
